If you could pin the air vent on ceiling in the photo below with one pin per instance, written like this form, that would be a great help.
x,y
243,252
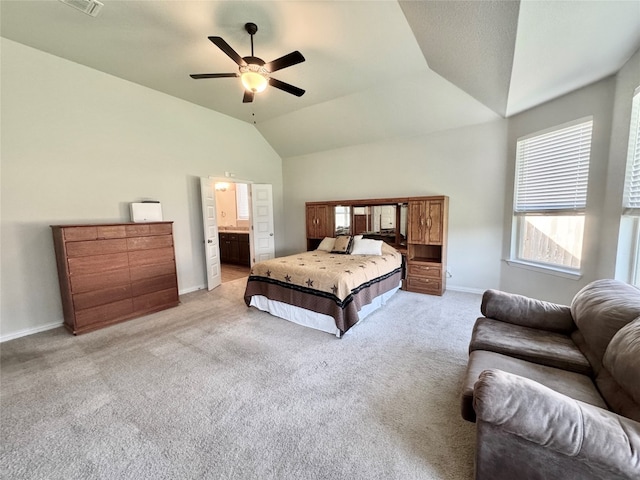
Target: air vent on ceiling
x,y
90,7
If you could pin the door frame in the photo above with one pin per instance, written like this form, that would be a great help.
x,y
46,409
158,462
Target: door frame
x,y
213,179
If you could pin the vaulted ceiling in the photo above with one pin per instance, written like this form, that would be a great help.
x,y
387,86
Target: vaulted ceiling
x,y
373,69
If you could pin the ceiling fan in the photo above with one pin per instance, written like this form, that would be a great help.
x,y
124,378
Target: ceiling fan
x,y
254,72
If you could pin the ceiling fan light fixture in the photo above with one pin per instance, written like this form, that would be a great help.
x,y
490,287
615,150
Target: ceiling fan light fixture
x,y
255,74
255,78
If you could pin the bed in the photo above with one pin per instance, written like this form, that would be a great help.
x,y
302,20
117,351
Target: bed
x,y
324,289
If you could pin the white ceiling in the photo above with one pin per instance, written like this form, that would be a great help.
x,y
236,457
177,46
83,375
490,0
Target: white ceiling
x,y
373,70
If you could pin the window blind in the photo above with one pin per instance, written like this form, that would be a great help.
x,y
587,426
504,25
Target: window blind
x,y
632,187
552,170
242,201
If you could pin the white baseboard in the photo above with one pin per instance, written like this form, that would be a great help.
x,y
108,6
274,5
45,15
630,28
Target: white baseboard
x,y
466,289
191,289
29,331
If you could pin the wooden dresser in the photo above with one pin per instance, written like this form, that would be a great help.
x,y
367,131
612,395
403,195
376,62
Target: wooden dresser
x,y
114,272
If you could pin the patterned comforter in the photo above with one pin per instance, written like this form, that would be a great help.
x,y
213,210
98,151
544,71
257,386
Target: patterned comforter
x,y
333,284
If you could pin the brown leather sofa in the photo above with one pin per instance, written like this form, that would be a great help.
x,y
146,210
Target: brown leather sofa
x,y
554,389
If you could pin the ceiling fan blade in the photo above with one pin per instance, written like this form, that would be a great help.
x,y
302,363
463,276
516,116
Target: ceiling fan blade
x,y
213,75
298,92
284,62
248,97
226,48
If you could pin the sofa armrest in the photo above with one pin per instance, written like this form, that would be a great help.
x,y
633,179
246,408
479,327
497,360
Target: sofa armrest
x,y
527,312
551,420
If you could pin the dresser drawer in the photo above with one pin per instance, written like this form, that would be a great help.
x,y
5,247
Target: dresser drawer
x,y
99,281
104,313
111,231
96,247
85,300
422,270
424,285
143,229
155,300
97,263
150,242
149,257
94,232
154,284
148,271
80,233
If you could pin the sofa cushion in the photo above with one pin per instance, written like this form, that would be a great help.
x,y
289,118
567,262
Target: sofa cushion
x,y
572,384
601,309
622,362
531,344
525,311
617,398
550,421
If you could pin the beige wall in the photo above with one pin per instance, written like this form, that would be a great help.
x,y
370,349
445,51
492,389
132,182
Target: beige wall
x,y
467,164
609,102
78,145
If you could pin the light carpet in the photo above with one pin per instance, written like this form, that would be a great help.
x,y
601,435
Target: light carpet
x,y
212,389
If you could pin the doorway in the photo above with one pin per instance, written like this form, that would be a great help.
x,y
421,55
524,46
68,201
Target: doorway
x,y
260,230
230,223
232,210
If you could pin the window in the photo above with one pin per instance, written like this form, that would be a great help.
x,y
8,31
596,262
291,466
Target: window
x,y
242,201
552,172
631,221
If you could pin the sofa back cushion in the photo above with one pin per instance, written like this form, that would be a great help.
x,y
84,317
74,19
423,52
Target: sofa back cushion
x,y
527,312
621,362
601,309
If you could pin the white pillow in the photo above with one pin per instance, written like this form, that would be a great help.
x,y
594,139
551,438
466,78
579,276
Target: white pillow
x,y
327,244
367,246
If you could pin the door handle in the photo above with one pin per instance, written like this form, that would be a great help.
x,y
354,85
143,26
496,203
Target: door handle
x,y
271,234
209,241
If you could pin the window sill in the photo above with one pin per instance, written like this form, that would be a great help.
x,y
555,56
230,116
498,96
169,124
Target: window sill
x,y
549,270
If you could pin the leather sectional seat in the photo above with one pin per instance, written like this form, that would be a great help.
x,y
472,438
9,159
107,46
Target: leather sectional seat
x,y
555,389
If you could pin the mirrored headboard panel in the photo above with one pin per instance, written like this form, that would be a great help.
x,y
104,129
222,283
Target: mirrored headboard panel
x,y
378,218
387,222
342,219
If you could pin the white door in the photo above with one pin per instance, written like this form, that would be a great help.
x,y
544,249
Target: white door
x,y
210,223
263,245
